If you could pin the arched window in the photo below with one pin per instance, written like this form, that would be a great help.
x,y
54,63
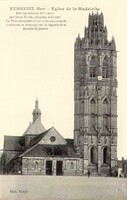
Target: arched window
x,y
93,117
72,165
106,155
94,61
93,65
93,155
93,106
36,164
105,101
106,61
106,106
92,72
105,67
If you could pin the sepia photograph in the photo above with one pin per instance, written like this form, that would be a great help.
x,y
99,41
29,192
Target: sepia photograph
x,y
63,109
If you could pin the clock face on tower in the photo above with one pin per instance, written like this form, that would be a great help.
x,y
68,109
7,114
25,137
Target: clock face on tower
x,y
99,78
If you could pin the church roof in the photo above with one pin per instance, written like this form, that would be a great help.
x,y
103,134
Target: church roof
x,y
35,140
35,128
42,146
13,143
40,150
48,133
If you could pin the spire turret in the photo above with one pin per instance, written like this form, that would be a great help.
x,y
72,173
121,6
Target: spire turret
x,y
36,112
78,42
113,44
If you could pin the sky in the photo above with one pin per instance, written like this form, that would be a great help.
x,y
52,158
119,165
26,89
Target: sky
x,y
40,64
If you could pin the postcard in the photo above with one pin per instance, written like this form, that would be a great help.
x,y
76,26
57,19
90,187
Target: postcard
x,y
63,100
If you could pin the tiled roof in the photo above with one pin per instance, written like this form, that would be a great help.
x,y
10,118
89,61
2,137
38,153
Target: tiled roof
x,y
13,143
35,140
35,128
41,150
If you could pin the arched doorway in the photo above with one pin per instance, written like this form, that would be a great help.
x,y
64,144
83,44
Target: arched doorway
x,y
106,155
93,155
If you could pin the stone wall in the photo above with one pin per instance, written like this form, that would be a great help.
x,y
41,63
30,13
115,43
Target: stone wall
x,y
37,166
33,166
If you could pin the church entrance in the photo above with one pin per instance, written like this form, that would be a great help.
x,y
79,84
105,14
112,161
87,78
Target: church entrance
x,y
48,167
59,167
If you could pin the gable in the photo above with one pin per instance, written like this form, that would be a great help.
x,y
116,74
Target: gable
x,y
53,137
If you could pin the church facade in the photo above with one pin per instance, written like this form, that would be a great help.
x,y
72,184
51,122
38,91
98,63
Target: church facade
x,y
94,146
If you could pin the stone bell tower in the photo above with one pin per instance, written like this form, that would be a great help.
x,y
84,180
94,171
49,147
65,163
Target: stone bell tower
x,y
95,98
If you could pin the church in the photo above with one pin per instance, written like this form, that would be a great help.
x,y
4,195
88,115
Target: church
x,y
94,145
40,152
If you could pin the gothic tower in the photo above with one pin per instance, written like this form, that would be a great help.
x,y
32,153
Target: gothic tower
x,y
95,98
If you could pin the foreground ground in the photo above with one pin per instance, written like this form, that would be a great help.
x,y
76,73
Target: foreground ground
x,y
62,188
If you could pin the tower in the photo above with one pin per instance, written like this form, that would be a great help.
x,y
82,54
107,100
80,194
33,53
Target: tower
x,y
34,128
36,112
95,98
